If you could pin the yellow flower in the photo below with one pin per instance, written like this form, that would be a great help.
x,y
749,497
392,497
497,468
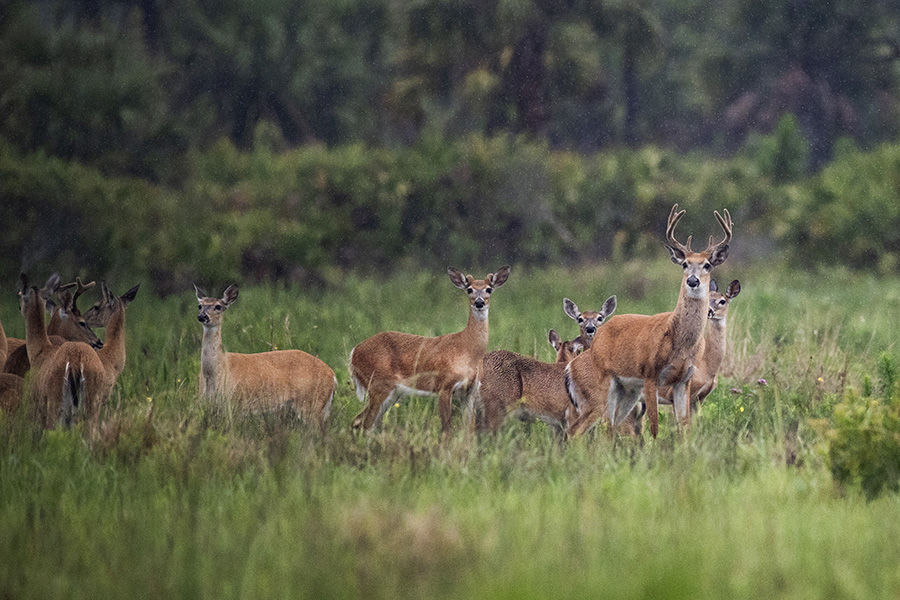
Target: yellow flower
x,y
396,405
149,399
742,409
820,380
274,347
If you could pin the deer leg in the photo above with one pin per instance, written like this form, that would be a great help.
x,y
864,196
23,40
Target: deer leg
x,y
445,408
379,394
680,398
652,406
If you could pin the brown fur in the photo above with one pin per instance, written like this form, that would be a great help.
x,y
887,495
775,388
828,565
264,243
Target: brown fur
x,y
263,381
67,380
441,365
652,350
515,383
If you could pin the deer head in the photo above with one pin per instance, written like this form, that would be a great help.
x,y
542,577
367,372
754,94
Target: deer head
x,y
697,265
479,290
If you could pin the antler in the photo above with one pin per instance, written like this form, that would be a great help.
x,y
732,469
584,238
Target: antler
x,y
674,217
80,288
727,226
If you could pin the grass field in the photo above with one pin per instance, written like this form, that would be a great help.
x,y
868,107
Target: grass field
x,y
173,499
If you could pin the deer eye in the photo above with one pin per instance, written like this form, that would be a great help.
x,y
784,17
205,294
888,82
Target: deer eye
x,y
707,267
721,302
488,290
199,307
468,290
218,307
684,266
581,319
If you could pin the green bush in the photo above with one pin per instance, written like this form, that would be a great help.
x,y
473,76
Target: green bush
x,y
865,441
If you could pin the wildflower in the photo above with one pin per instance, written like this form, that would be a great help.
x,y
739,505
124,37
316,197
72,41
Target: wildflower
x,y
737,391
761,382
820,380
742,409
396,405
149,398
274,347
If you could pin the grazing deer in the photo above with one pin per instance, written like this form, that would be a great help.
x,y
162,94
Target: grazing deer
x,y
66,324
634,353
511,383
706,377
67,379
391,362
262,381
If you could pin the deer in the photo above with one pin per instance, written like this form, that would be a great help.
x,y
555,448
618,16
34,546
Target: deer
x,y
66,324
588,322
110,312
639,353
515,383
447,366
67,380
264,381
706,378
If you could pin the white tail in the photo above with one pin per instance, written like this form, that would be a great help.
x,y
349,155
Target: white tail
x,y
639,352
263,381
446,365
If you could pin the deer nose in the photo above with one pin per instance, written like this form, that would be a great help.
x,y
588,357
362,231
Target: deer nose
x,y
479,303
693,281
97,345
203,318
589,330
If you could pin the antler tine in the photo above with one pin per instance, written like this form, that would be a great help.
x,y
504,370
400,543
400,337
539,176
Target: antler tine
x,y
80,288
727,226
675,216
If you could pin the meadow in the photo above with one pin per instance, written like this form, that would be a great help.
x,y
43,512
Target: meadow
x,y
172,498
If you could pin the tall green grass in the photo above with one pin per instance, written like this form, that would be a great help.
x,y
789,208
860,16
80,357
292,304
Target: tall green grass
x,y
172,498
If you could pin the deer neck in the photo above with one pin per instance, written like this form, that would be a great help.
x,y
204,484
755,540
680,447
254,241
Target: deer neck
x,y
213,361
476,330
54,327
4,343
714,350
36,338
688,320
112,354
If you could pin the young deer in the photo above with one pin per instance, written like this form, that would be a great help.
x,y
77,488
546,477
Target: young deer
x,y
706,376
588,321
66,324
262,381
632,353
391,362
68,379
511,383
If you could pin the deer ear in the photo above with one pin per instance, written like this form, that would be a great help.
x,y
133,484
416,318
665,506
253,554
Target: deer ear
x,y
200,293
571,309
500,277
577,346
230,294
609,307
23,282
130,295
713,286
677,256
52,285
457,278
734,288
554,339
718,256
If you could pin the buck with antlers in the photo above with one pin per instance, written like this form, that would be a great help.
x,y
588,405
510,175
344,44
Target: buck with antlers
x,y
634,353
66,324
515,383
68,380
263,381
391,363
706,378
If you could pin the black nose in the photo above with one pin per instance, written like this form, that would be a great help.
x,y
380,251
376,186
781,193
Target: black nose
x,y
589,330
203,318
479,303
97,345
693,281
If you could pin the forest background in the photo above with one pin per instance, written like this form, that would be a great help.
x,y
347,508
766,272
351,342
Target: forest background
x,y
293,141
